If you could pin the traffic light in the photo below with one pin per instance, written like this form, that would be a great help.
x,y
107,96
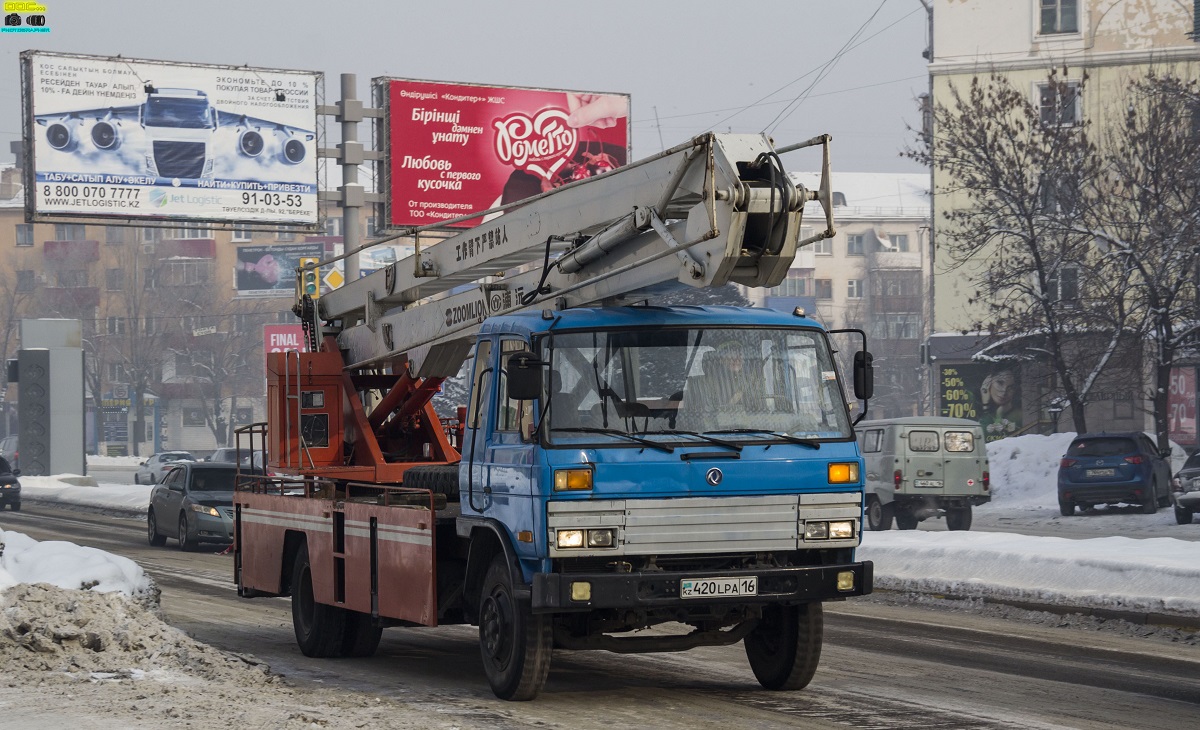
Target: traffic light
x,y
310,278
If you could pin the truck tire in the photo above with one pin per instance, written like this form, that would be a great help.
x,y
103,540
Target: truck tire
x,y
958,518
879,515
515,642
441,479
906,520
320,629
785,648
362,635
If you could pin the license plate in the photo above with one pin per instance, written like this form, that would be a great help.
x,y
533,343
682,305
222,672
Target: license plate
x,y
927,482
718,587
1101,472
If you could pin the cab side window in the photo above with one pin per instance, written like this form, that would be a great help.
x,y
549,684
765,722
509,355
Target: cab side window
x,y
480,384
870,441
514,415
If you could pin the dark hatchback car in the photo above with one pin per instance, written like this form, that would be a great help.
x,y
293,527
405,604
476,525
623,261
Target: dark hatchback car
x,y
1114,468
193,504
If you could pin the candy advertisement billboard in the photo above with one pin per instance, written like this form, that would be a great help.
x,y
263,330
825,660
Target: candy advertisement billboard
x,y
124,138
454,149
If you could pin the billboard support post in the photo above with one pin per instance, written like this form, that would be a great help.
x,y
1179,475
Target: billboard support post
x,y
350,113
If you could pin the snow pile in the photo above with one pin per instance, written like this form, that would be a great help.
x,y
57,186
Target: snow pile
x,y
105,496
1157,575
67,565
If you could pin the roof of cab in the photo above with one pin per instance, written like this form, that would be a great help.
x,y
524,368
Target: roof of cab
x,y
617,317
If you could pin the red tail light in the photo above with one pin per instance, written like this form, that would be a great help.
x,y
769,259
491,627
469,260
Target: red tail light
x,y
897,477
987,481
1137,459
1067,463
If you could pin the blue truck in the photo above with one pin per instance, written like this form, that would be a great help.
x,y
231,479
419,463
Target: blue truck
x,y
618,466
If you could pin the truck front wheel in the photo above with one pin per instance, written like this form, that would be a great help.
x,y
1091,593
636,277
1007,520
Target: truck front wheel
x,y
320,629
785,648
515,642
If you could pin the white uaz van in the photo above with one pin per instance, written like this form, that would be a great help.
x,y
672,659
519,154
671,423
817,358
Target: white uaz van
x,y
919,467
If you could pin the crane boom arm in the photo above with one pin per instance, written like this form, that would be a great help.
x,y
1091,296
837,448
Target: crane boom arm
x,y
716,210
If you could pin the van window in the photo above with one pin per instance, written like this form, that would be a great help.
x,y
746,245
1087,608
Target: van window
x,y
869,441
960,441
923,440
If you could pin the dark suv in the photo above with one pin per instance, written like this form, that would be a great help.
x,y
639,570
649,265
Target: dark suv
x,y
1111,468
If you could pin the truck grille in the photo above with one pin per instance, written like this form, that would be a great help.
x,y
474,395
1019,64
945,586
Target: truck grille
x,y
703,525
179,159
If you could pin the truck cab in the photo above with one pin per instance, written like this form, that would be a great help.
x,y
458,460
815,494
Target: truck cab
x,y
922,467
179,125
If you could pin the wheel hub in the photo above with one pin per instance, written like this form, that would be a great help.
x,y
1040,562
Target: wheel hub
x,y
496,627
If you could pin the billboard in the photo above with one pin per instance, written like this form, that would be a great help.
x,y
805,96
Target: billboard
x,y
1181,406
123,138
990,394
283,338
457,148
270,271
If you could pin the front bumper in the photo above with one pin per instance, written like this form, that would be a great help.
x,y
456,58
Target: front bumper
x,y
1187,500
660,589
10,493
213,529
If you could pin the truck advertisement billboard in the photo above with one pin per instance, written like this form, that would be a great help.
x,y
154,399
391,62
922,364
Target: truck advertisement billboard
x,y
123,138
270,271
457,148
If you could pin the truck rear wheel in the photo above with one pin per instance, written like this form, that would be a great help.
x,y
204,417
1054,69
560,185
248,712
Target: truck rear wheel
x,y
785,648
958,518
879,515
362,635
320,629
515,642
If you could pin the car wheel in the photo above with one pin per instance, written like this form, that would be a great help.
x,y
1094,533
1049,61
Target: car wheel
x,y
515,642
1150,500
906,520
16,506
879,515
185,541
1183,516
154,537
1066,507
958,518
137,478
785,648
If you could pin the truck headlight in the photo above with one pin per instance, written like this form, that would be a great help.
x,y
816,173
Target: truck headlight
x,y
570,539
601,538
843,473
841,530
569,480
816,530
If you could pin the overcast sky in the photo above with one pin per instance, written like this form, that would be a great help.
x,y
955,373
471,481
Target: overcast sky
x,y
697,64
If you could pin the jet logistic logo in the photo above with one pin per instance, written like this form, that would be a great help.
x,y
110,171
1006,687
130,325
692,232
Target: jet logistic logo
x,y
21,16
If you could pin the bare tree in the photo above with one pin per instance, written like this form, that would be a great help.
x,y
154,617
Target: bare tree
x,y
1145,216
1023,172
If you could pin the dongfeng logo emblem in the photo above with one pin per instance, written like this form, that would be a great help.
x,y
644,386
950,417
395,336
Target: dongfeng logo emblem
x,y
714,476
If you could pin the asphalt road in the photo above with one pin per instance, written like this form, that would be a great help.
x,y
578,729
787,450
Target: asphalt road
x,y
882,667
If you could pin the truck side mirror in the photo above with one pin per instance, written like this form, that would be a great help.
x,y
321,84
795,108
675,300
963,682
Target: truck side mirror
x,y
524,376
864,375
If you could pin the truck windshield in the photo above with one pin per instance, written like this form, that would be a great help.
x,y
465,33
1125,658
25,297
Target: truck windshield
x,y
177,112
703,380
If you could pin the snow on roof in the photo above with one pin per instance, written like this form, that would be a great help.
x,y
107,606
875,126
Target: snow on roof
x,y
874,194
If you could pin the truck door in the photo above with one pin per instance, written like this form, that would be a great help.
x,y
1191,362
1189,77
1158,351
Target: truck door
x,y
510,447
923,461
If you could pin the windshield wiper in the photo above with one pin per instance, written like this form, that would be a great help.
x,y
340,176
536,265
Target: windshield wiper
x,y
615,432
785,436
719,442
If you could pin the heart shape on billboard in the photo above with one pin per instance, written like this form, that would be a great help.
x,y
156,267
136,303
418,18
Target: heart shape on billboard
x,y
541,144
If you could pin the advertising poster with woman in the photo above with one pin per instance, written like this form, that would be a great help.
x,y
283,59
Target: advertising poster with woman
x,y
458,148
270,271
990,394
